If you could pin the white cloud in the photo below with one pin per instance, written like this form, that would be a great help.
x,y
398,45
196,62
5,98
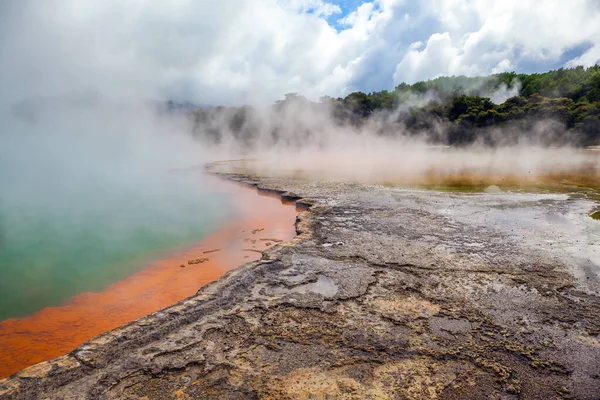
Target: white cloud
x,y
240,51
438,55
589,57
479,36
503,66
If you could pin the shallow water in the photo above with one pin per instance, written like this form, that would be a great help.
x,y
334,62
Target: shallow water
x,y
452,170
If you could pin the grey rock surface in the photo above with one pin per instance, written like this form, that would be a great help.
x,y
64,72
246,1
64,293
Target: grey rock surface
x,y
385,293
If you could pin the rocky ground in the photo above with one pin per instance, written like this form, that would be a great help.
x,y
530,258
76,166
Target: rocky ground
x,y
385,293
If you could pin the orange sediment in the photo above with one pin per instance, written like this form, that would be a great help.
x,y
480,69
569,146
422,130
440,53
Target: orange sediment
x,y
54,331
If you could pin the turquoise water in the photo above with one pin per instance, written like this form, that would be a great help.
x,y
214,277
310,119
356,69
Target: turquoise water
x,y
78,213
48,255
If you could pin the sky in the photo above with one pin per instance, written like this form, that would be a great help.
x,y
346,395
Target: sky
x,y
234,52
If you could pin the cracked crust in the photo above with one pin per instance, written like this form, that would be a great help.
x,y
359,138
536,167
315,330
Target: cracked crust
x,y
383,294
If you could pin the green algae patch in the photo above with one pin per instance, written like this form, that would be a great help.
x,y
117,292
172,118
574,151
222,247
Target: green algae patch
x,y
596,215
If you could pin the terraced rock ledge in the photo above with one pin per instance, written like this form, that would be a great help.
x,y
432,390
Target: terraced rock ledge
x,y
385,293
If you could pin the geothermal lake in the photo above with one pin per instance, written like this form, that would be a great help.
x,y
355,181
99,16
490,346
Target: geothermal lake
x,y
87,199
156,274
99,216
57,242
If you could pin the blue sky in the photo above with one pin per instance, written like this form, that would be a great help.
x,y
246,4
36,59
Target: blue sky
x,y
346,6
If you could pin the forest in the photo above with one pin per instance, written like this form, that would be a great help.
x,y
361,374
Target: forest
x,y
556,107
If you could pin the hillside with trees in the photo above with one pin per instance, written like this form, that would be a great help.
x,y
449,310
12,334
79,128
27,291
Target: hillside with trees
x,y
557,107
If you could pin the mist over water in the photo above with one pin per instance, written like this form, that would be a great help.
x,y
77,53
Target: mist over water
x,y
89,194
93,188
88,183
301,139
388,163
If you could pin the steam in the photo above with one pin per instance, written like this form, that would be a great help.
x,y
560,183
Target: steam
x,y
388,164
87,153
505,92
89,196
86,144
302,139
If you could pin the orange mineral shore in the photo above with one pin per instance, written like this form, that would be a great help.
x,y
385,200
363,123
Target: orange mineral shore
x,y
262,221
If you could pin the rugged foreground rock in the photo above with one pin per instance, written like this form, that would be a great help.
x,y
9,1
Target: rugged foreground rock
x,y
385,293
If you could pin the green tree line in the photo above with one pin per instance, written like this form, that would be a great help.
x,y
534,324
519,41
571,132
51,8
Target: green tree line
x,y
466,109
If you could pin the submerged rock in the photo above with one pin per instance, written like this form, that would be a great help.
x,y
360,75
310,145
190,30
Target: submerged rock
x,y
197,261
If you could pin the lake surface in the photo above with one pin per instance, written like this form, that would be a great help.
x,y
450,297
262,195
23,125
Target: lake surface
x,y
255,222
54,247
88,196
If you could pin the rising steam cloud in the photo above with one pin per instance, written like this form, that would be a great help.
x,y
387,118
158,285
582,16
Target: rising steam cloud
x,y
87,145
88,197
299,138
